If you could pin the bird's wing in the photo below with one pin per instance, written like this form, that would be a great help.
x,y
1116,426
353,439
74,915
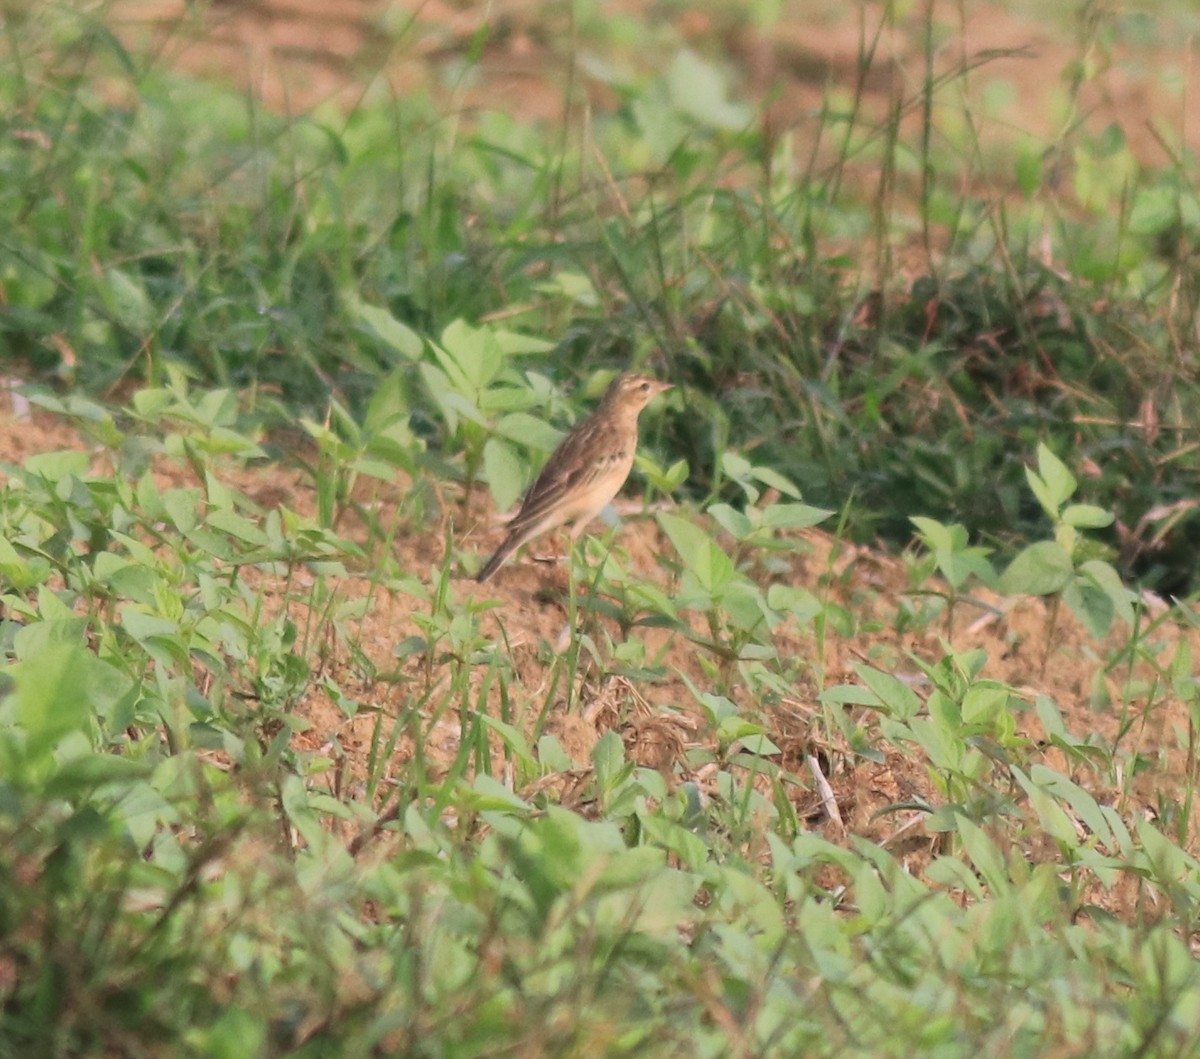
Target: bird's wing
x,y
585,455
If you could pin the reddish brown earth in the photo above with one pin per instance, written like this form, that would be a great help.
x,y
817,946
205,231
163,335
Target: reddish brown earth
x,y
294,54
297,54
660,722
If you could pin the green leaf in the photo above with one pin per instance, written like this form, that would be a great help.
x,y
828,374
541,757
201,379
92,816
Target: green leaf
x,y
1108,581
1029,168
142,626
1038,570
699,91
952,874
511,737
470,356
552,756
1059,482
758,744
774,480
1086,807
394,334
126,299
528,430
1054,820
235,1034
505,472
984,702
710,566
181,506
1091,605
984,855
237,526
516,344
1154,211
608,757
1087,516
52,694
486,794
793,516
49,633
734,522
850,695
55,466
892,694
92,770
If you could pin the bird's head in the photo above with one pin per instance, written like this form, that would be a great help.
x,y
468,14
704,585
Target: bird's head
x,y
631,392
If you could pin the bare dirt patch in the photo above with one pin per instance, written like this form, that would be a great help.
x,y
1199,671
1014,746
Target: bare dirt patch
x,y
1028,645
294,55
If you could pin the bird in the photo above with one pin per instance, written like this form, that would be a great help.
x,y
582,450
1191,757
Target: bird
x,y
586,470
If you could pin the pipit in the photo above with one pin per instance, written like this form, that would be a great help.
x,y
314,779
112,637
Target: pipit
x,y
586,471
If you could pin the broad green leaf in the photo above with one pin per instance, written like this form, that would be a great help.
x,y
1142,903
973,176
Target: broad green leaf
x,y
850,695
237,1033
53,694
608,757
55,466
396,335
511,736
793,516
1154,210
92,770
734,522
700,92
1086,516
692,851
1085,806
1167,861
892,694
505,472
953,874
1091,606
486,793
711,567
36,637
516,344
529,431
745,901
552,756
1105,578
774,480
984,702
957,567
126,299
758,744
142,626
1052,817
1060,483
237,526
1041,569
471,356
390,402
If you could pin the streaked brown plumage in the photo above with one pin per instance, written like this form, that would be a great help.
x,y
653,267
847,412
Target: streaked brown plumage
x,y
586,471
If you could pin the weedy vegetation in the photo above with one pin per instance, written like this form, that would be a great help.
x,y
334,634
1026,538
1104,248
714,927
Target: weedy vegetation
x,y
875,734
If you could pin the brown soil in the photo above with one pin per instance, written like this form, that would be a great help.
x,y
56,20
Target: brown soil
x,y
1027,646
294,54
297,54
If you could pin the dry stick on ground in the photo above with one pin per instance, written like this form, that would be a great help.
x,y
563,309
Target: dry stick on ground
x,y
828,800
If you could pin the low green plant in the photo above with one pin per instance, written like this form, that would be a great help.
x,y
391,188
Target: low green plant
x,y
1062,568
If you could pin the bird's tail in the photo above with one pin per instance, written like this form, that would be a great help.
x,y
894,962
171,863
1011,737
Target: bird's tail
x,y
511,543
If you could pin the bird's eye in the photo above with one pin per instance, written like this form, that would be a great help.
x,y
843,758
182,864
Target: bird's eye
x,y
645,387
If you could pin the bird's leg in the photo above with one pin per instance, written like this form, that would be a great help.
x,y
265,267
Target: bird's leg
x,y
556,556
